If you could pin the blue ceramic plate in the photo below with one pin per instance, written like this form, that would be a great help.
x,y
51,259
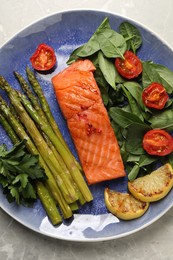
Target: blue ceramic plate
x,y
64,32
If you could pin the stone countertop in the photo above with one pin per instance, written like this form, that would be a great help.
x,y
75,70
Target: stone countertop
x,y
154,242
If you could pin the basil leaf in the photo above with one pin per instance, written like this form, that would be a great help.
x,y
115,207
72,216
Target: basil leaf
x,y
157,73
131,35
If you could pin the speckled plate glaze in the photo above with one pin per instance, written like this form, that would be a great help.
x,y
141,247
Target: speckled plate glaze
x,y
64,32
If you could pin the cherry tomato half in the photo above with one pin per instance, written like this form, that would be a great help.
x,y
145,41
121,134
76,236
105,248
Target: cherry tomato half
x,y
129,67
44,58
155,96
158,142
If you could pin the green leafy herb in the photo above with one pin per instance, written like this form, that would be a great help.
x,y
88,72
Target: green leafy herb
x,y
132,36
107,68
106,44
18,173
157,73
162,120
123,118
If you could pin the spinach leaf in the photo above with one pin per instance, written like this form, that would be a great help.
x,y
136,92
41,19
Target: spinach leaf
x,y
131,35
111,43
133,158
157,73
91,46
134,172
170,158
73,56
123,118
162,120
132,103
135,90
135,133
108,69
146,159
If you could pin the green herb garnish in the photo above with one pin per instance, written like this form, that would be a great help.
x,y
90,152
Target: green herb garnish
x,y
18,171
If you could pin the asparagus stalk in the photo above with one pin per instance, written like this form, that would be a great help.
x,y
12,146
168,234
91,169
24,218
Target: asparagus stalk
x,y
45,106
14,138
71,165
19,130
33,113
61,178
34,100
48,203
43,194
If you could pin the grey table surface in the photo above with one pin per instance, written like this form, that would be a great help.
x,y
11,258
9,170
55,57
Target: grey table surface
x,y
153,242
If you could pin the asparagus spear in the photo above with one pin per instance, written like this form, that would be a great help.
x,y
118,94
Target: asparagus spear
x,y
71,165
35,102
9,129
48,203
18,128
33,113
61,178
65,169
33,99
43,194
84,192
45,106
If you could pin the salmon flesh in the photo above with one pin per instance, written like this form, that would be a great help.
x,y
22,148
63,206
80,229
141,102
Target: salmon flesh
x,y
87,119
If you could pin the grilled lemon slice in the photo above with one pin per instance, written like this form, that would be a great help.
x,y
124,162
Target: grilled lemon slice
x,y
153,186
124,205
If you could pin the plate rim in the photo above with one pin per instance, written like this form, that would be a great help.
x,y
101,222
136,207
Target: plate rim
x,y
84,239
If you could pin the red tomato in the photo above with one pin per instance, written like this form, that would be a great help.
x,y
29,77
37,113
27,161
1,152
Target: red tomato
x,y
129,67
44,58
155,96
158,142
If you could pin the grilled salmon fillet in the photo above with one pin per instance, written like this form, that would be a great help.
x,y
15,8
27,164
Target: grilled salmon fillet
x,y
81,104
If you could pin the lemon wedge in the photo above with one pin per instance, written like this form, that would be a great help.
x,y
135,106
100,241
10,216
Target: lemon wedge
x,y
153,186
124,205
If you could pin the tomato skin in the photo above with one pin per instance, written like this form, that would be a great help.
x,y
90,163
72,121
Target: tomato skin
x,y
130,67
155,96
158,142
43,58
